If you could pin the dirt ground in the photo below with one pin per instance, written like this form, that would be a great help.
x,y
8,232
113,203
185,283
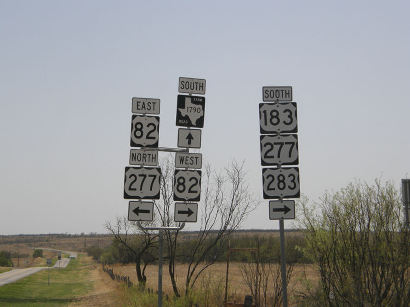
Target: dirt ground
x,y
106,292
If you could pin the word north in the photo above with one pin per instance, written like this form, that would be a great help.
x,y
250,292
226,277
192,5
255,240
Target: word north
x,y
143,157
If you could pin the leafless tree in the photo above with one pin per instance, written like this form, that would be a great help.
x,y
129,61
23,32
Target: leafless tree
x,y
225,202
137,242
263,279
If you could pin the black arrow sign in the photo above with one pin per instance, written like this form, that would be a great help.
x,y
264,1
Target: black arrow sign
x,y
285,209
189,137
137,211
188,212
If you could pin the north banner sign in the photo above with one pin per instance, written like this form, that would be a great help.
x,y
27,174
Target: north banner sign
x,y
281,209
146,157
141,211
190,111
145,105
186,212
142,183
277,93
281,182
192,86
278,118
188,160
144,131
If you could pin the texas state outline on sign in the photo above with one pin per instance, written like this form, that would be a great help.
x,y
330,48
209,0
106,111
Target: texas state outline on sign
x,y
190,111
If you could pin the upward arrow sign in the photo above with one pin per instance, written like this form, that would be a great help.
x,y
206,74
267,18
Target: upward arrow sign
x,y
189,137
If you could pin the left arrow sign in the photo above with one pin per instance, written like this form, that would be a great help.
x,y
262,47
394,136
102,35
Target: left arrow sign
x,y
140,211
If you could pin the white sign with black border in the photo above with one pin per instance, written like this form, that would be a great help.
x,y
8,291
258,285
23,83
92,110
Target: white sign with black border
x,y
145,105
187,185
186,212
141,211
278,118
281,182
188,160
281,209
145,157
144,131
277,93
191,86
189,138
142,182
279,149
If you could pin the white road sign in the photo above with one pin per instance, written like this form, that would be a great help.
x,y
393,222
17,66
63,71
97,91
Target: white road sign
x,y
281,182
146,157
191,86
144,131
186,212
187,185
142,183
141,211
277,93
190,111
278,117
279,209
189,138
145,105
279,149
188,160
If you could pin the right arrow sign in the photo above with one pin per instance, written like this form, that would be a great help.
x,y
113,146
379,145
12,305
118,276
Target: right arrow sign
x,y
281,209
186,212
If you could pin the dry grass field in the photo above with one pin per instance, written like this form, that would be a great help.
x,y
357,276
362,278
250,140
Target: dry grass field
x,y
215,275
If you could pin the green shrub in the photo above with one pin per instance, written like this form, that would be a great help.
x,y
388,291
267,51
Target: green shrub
x,y
5,259
38,253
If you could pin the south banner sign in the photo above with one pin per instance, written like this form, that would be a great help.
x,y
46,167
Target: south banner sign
x,y
277,93
192,86
190,111
142,183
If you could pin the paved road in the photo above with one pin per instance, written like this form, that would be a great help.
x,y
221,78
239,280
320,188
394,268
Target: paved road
x,y
16,274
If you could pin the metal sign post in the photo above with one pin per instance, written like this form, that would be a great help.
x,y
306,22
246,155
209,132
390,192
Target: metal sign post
x,y
405,192
141,182
283,262
279,146
160,252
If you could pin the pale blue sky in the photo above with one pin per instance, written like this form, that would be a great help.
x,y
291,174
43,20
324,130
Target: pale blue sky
x,y
68,70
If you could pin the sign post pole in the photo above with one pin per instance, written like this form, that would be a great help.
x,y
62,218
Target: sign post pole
x,y
160,268
405,186
283,263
